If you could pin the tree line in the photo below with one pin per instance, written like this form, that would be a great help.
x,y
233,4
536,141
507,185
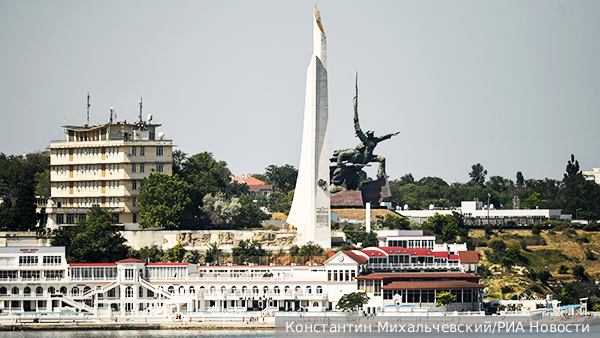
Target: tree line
x,y
573,194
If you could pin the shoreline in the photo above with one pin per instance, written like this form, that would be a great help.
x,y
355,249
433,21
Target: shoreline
x,y
133,326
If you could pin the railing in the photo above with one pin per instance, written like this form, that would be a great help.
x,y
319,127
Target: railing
x,y
93,279
269,294
256,278
33,279
415,265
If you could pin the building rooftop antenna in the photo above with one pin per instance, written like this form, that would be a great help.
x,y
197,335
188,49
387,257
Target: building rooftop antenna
x,y
87,121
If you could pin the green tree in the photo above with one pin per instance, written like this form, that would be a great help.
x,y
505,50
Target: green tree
x,y
250,215
310,249
352,302
282,178
94,240
445,298
578,271
536,229
248,250
152,254
43,183
370,240
176,253
179,157
165,201
477,174
213,253
220,210
192,256
446,227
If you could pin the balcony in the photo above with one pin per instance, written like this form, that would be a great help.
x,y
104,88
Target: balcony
x,y
415,266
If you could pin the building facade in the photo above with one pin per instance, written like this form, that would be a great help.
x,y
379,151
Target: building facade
x,y
39,279
104,165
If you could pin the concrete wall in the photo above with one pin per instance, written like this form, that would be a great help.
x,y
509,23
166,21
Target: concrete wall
x,y
201,239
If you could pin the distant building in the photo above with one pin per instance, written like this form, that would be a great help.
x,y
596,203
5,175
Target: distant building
x,y
592,175
476,213
256,187
105,165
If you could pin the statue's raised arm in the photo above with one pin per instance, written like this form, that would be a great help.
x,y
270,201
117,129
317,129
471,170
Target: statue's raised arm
x,y
387,136
357,129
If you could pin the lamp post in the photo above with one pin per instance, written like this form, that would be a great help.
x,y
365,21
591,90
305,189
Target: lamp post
x,y
488,210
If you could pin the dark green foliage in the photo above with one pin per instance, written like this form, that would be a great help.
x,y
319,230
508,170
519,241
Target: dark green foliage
x,y
568,294
589,255
477,174
445,298
541,276
370,240
20,178
94,240
165,201
562,269
212,254
395,222
309,249
536,229
176,253
282,178
152,254
536,288
483,271
578,271
250,215
506,289
507,255
352,302
591,227
446,227
248,251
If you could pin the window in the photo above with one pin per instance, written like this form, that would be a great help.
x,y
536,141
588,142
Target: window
x,y
133,168
140,292
134,218
159,168
51,260
142,151
128,291
60,219
160,151
28,260
142,168
134,201
70,219
133,151
134,185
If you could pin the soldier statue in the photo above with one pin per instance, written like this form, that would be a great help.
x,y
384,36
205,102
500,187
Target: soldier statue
x,y
350,161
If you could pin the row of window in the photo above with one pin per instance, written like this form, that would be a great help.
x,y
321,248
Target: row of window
x,y
255,290
27,274
416,244
142,151
60,218
141,168
428,296
341,275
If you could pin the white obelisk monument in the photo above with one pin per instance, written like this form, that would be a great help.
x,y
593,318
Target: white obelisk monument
x,y
310,213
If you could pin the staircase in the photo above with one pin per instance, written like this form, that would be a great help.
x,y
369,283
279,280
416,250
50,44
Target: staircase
x,y
78,305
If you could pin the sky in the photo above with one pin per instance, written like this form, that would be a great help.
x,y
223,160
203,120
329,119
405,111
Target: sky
x,y
513,85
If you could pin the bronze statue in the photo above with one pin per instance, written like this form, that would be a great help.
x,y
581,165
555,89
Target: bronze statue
x,y
350,161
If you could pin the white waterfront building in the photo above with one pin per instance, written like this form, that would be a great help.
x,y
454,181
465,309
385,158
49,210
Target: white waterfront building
x,y
39,280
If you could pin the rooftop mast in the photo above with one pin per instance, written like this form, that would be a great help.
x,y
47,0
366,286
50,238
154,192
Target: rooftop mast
x,y
87,121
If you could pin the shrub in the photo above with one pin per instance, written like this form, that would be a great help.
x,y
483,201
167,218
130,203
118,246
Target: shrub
x,y
569,232
582,239
536,229
591,227
578,271
506,289
589,255
562,269
536,288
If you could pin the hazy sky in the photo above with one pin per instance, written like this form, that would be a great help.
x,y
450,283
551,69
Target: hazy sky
x,y
513,85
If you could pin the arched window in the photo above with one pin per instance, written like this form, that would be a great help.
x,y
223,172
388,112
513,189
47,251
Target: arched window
x,y
63,290
51,290
39,291
308,290
315,304
319,290
3,290
244,289
287,289
266,289
223,289
298,289
129,292
27,290
255,289
75,291
192,290
202,290
86,289
182,289
213,289
15,290
233,289
171,289
276,290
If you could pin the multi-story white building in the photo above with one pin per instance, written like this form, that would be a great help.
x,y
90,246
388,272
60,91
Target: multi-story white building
x,y
105,165
592,175
38,279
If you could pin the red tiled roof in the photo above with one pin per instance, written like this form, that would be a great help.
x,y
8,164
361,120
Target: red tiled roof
x,y
439,285
453,257
355,257
92,264
155,264
130,260
440,254
249,180
468,256
420,275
